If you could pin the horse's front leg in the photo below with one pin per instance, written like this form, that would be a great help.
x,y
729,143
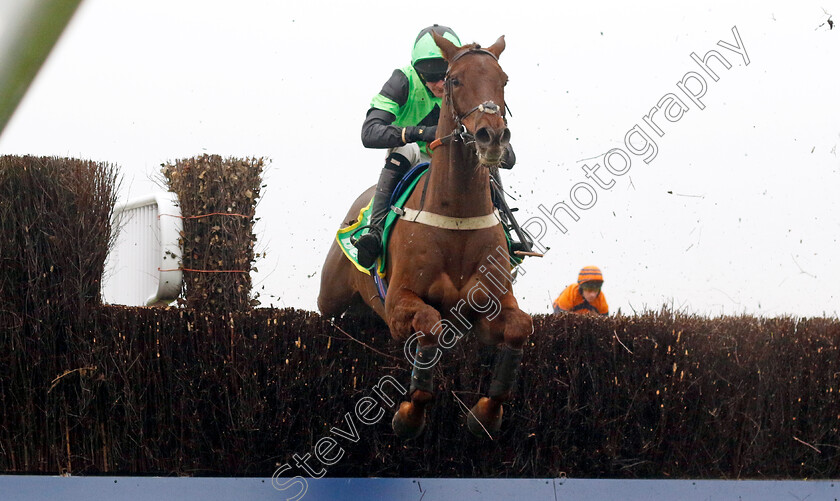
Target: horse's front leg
x,y
486,415
414,323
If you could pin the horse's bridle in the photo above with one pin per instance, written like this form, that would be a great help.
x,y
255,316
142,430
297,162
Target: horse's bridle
x,y
487,107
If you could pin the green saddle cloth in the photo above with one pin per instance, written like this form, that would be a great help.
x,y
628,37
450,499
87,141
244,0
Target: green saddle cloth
x,y
343,236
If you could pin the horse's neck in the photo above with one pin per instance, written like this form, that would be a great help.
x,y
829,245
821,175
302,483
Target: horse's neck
x,y
458,186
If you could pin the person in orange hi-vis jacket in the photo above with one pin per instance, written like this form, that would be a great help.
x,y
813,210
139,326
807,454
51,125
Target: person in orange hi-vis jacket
x,y
584,297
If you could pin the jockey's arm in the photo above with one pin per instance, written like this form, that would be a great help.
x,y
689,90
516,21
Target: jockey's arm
x,y
377,129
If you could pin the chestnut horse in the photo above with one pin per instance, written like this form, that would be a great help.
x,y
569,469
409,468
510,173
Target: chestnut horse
x,y
439,263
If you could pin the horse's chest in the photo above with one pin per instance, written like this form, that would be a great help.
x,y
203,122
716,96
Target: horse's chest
x,y
450,291
445,273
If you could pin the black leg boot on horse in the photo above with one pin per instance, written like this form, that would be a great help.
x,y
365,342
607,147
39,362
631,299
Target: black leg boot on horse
x,y
410,419
369,245
485,418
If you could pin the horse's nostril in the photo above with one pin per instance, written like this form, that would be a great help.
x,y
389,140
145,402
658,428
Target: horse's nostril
x,y
483,136
505,136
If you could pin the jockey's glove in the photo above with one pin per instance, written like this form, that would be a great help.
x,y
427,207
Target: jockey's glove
x,y
419,133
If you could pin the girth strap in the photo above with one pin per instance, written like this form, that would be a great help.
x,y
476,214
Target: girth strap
x,y
448,222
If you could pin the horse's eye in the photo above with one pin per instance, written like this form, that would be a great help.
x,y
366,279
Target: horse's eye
x,y
455,81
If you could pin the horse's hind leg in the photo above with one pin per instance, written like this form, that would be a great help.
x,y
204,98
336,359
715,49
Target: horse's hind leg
x,y
408,314
337,289
486,415
340,281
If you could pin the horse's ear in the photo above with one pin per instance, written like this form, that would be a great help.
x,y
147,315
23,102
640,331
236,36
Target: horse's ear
x,y
447,48
498,46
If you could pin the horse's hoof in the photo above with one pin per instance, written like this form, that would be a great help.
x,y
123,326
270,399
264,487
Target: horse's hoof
x,y
405,425
482,421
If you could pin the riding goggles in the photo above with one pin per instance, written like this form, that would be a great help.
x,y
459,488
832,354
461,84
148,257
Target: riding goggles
x,y
433,77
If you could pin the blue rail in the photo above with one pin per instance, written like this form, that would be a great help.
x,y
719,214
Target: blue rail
x,y
28,488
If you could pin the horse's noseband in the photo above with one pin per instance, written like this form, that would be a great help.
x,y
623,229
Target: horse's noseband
x,y
487,107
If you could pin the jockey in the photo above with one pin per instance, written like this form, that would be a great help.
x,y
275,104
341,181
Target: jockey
x,y
584,297
403,118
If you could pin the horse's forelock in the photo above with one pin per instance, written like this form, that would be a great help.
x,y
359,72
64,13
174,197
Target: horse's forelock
x,y
466,48
469,46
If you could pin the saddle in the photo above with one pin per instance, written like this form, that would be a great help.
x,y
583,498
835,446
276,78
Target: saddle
x,y
398,198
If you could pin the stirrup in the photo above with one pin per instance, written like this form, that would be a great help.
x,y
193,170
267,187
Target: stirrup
x,y
369,227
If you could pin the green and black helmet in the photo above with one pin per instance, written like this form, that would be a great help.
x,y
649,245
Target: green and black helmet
x,y
426,56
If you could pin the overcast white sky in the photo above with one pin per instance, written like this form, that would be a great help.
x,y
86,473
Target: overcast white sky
x,y
738,213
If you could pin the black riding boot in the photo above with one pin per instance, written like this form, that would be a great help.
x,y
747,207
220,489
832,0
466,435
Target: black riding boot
x,y
369,245
498,195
